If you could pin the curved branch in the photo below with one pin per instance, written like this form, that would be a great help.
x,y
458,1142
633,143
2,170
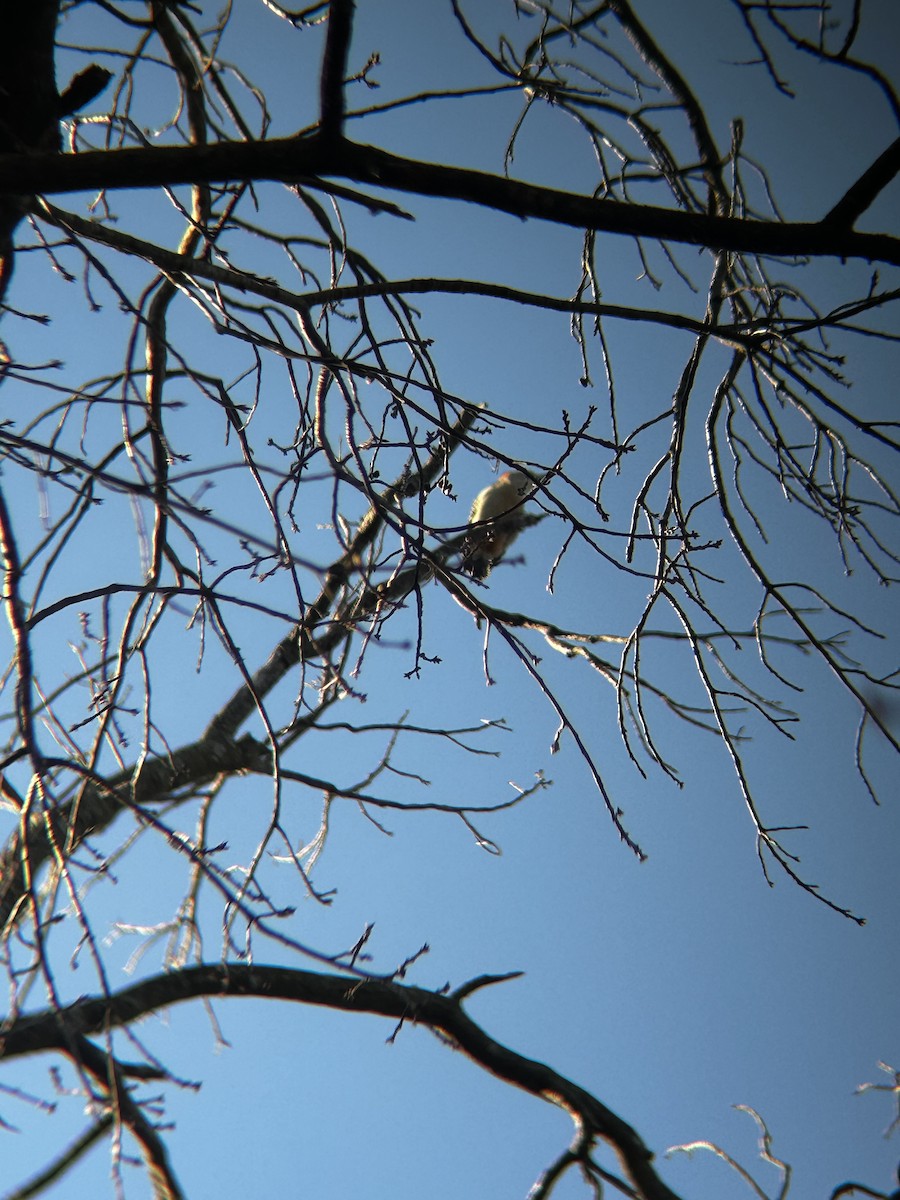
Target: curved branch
x,y
54,1030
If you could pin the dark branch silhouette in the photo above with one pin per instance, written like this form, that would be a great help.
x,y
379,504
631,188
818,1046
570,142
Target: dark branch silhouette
x,y
237,428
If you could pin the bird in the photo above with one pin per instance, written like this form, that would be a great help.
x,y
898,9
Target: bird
x,y
488,542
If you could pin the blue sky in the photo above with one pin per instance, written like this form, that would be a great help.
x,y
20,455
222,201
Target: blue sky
x,y
673,989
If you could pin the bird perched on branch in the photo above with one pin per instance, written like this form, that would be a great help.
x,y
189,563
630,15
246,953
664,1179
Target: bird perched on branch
x,y
492,531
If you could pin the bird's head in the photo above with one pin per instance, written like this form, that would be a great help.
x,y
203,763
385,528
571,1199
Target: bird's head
x,y
519,480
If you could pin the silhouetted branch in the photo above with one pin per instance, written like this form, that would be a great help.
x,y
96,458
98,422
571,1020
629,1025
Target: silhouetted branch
x,y
441,1013
311,160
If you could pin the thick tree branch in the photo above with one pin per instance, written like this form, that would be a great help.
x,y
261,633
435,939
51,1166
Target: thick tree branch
x,y
863,193
220,751
100,802
334,68
311,159
29,102
55,1030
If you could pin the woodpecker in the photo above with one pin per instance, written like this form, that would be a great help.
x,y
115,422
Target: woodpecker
x,y
489,542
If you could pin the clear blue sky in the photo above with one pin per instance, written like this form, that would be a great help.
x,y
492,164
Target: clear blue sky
x,y
672,989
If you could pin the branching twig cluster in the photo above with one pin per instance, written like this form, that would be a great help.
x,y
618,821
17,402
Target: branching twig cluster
x,y
260,443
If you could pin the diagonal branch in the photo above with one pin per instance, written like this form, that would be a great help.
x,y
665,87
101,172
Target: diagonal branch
x,y
863,193
308,159
220,751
